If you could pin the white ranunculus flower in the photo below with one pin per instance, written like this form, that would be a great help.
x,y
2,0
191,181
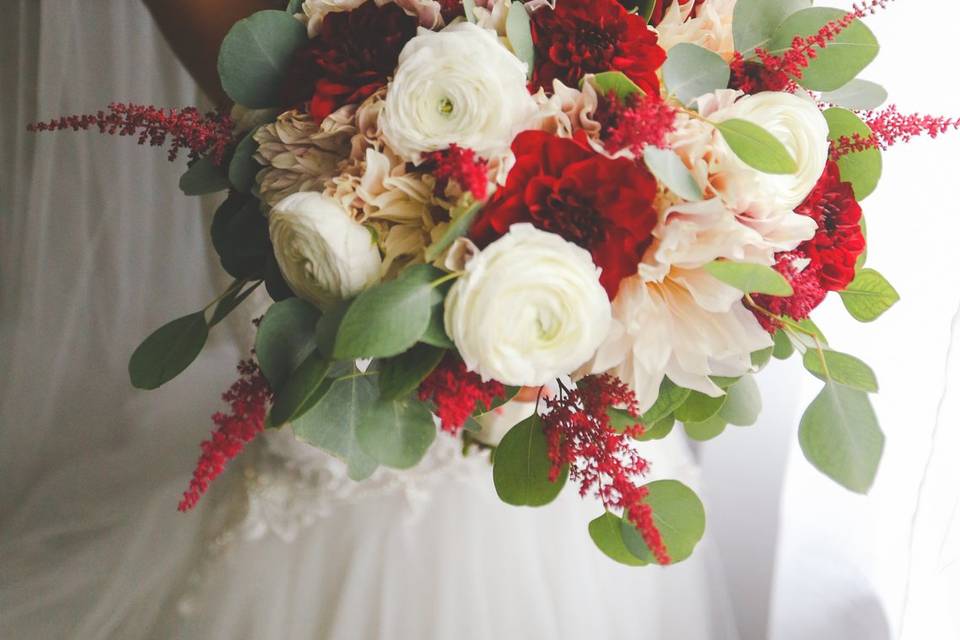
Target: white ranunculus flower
x,y
323,253
688,327
457,86
528,309
801,127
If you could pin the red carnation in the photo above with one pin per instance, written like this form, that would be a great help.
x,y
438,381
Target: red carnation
x,y
561,186
352,56
578,38
839,239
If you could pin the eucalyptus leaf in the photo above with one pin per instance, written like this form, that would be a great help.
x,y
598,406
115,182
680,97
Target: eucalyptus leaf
x,y
303,389
328,325
233,299
857,94
397,433
256,55
243,167
168,351
840,436
862,258
755,21
521,466
669,399
295,6
862,169
520,36
436,334
657,430
332,423
621,420
743,404
869,296
756,147
460,221
706,430
782,347
617,82
749,277
389,318
285,338
699,407
605,533
679,517
843,57
841,368
760,359
203,177
667,167
509,393
401,375
691,71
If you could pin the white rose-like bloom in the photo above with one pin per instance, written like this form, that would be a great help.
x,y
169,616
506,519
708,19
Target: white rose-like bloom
x,y
528,309
688,327
323,253
457,86
801,127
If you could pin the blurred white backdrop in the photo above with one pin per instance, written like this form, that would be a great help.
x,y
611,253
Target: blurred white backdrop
x,y
886,565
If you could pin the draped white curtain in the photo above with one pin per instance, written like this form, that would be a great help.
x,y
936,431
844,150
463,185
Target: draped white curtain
x,y
888,565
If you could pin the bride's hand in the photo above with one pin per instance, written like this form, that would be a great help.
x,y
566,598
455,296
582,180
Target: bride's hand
x,y
195,28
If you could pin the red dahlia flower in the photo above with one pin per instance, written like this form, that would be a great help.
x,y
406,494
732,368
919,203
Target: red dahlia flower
x,y
839,239
578,38
562,186
352,56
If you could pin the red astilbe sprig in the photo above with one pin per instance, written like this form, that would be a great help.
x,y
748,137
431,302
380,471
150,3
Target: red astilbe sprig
x,y
248,398
457,393
579,434
890,126
461,166
781,72
207,134
635,122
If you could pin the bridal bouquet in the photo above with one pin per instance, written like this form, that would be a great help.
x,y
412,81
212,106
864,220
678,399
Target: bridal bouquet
x,y
617,212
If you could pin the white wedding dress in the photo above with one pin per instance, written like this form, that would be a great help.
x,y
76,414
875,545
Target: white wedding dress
x,y
97,248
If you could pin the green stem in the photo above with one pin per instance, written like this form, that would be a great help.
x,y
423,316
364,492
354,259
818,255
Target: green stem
x,y
790,324
453,275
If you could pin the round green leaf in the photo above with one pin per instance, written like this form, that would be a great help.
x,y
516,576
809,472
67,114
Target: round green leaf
x,y
743,404
241,237
749,277
782,347
436,333
869,296
857,94
679,517
203,177
755,21
760,359
692,71
861,169
669,169
658,430
841,368
605,533
255,56
520,36
306,386
756,147
617,82
285,338
389,318
332,423
706,430
401,375
521,466
840,61
699,407
397,433
243,167
670,397
840,436
168,351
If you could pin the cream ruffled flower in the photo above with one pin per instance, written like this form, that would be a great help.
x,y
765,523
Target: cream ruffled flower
x,y
299,155
711,28
688,327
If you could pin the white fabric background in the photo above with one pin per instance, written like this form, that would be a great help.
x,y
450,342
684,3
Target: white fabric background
x,y
888,565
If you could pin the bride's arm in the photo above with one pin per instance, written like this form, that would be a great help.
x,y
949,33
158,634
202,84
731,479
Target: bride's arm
x,y
195,28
